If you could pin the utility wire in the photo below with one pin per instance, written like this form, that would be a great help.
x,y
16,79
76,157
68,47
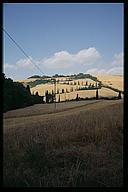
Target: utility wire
x,y
22,50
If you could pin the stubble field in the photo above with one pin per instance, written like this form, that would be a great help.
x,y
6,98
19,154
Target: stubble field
x,y
75,146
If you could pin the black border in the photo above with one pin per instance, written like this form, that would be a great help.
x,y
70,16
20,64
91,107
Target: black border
x,y
1,102
125,132
125,149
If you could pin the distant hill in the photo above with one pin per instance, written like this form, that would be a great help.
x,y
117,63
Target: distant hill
x,y
34,76
81,83
37,76
75,76
35,80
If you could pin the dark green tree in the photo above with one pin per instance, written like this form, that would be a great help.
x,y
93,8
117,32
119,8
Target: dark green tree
x,y
57,91
62,90
46,95
53,95
77,98
37,94
59,98
119,95
97,97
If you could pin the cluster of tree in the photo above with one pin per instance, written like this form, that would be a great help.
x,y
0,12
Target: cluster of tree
x,y
83,76
90,86
75,76
56,75
15,95
34,76
37,76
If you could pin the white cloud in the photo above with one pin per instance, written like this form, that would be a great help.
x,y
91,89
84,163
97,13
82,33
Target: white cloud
x,y
9,66
116,71
96,71
115,67
86,61
118,60
64,59
60,59
88,56
25,63
112,71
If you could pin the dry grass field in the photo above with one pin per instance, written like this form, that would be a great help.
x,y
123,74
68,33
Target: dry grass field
x,y
112,80
79,145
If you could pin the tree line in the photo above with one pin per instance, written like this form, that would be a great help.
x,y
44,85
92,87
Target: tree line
x,y
15,95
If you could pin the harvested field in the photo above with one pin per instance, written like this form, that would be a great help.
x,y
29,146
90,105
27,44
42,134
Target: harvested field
x,y
112,80
109,80
77,146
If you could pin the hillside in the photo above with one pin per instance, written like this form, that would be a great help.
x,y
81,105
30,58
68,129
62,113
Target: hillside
x,y
72,84
112,80
79,145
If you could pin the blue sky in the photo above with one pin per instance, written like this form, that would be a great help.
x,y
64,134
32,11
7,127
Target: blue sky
x,y
63,38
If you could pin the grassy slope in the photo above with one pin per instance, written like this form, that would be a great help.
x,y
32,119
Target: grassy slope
x,y
77,147
115,81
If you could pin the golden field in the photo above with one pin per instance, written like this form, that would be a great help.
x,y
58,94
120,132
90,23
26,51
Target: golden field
x,y
66,144
110,80
77,144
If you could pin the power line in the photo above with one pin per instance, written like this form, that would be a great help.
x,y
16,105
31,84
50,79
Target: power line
x,y
22,50
29,59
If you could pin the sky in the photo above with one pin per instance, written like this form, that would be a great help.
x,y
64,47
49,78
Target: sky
x,y
63,38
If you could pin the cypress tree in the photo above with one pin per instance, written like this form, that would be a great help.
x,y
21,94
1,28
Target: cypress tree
x,y
59,98
28,89
77,98
119,95
62,90
96,94
47,98
52,96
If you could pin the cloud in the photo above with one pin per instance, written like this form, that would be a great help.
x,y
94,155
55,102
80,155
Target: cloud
x,y
116,71
60,59
25,63
64,59
62,62
96,71
118,60
88,56
115,67
9,66
112,71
